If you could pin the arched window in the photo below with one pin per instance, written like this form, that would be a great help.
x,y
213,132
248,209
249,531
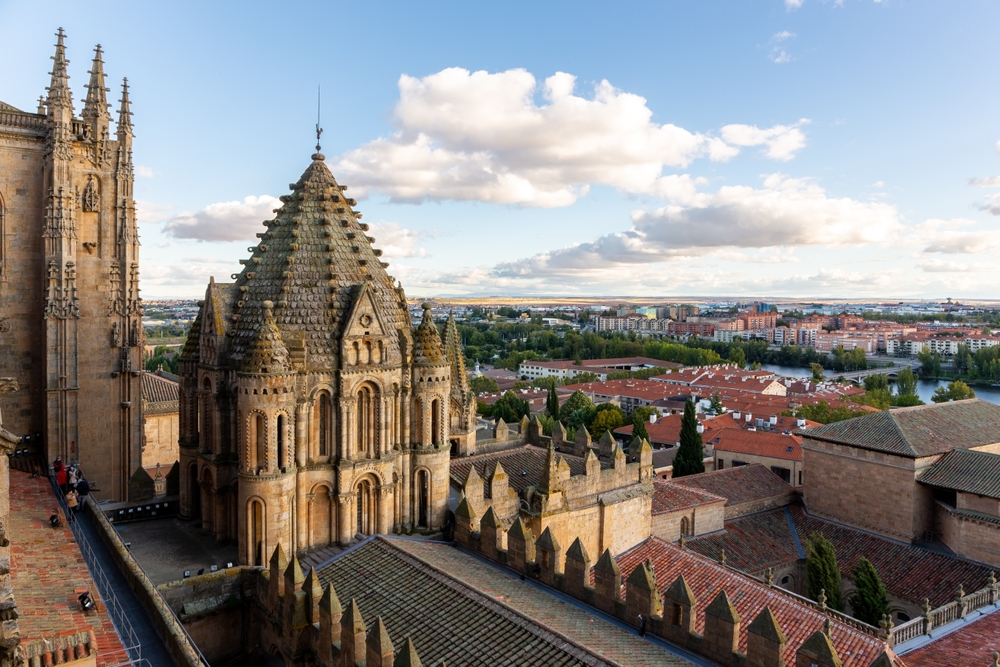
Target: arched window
x,y
436,421
422,486
324,423
367,422
367,507
281,442
257,531
256,441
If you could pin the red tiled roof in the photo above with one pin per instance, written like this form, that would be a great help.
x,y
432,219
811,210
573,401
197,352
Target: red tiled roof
x,y
739,485
157,389
756,443
670,497
728,420
46,571
972,645
758,541
707,578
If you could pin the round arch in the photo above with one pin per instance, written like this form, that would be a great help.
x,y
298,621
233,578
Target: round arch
x,y
367,504
423,491
256,531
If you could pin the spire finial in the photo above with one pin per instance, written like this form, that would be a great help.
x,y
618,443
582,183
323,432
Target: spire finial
x,y
319,130
59,93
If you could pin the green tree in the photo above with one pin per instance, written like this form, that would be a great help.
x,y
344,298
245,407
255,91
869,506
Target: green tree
x,y
509,407
552,403
690,458
817,371
483,385
870,601
906,390
877,381
738,356
639,425
822,572
577,400
955,391
717,407
606,420
930,363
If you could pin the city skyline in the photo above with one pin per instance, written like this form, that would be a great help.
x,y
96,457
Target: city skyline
x,y
793,149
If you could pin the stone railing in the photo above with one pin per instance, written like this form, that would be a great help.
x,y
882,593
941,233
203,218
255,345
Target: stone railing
x,y
23,121
957,609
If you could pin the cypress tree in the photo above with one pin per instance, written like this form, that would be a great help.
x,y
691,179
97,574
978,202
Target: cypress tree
x,y
870,601
690,458
552,404
639,427
822,572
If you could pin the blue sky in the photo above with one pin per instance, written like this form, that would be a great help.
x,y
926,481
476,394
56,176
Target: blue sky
x,y
773,148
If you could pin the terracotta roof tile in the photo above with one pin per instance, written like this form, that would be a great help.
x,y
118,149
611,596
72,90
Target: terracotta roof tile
x,y
670,497
156,389
967,471
707,579
742,484
971,645
919,431
758,443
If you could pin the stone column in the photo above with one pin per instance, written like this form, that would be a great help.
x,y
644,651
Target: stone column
x,y
344,509
384,494
301,433
404,427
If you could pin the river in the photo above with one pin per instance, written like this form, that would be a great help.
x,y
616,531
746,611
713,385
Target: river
x,y
925,388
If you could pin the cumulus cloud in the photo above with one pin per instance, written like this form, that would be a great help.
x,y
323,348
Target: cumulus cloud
x,y
397,241
480,136
785,212
782,36
991,205
947,237
144,172
780,142
793,4
147,211
988,182
223,221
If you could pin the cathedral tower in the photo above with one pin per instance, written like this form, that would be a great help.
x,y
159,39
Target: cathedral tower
x,y
311,409
69,278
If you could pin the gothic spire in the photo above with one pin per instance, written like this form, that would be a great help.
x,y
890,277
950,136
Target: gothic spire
x,y
60,96
95,108
125,111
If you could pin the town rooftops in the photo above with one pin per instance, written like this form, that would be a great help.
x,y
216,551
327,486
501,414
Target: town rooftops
x,y
743,484
707,579
924,430
461,610
756,443
670,497
967,471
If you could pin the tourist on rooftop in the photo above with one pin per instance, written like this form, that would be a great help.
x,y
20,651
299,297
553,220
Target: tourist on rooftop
x,y
71,501
57,465
71,478
82,489
61,478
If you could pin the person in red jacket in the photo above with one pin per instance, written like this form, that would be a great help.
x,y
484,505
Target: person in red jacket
x,y
61,478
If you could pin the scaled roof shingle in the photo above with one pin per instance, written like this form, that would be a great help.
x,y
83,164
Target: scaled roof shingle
x,y
967,471
742,484
669,497
923,430
971,645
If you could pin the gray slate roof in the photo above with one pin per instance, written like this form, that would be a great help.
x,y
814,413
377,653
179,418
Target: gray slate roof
x,y
924,430
967,471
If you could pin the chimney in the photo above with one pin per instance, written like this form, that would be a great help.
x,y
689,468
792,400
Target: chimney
x,y
800,422
652,418
749,417
736,414
701,428
774,420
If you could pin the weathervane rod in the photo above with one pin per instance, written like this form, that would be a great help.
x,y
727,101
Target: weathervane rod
x,y
319,130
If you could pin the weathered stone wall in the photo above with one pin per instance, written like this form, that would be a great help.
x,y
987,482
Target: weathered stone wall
x,y
700,520
976,503
969,537
794,467
214,609
838,484
761,505
160,440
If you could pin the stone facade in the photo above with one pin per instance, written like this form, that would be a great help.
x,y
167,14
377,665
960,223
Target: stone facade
x,y
311,410
160,420
71,330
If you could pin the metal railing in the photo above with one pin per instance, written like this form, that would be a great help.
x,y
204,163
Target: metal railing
x,y
128,636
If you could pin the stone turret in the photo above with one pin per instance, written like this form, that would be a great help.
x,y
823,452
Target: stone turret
x,y
95,108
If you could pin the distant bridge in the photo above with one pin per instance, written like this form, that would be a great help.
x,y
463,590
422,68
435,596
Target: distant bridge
x,y
890,371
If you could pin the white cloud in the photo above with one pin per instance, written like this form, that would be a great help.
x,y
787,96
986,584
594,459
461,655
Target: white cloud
x,y
223,221
143,172
397,241
946,237
878,184
941,266
782,36
780,141
150,212
785,212
780,56
793,4
988,182
477,136
991,205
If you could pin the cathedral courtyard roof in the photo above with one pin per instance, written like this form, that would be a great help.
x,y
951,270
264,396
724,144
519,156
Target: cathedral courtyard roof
x,y
524,467
463,610
707,578
670,497
739,485
923,430
966,471
769,539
